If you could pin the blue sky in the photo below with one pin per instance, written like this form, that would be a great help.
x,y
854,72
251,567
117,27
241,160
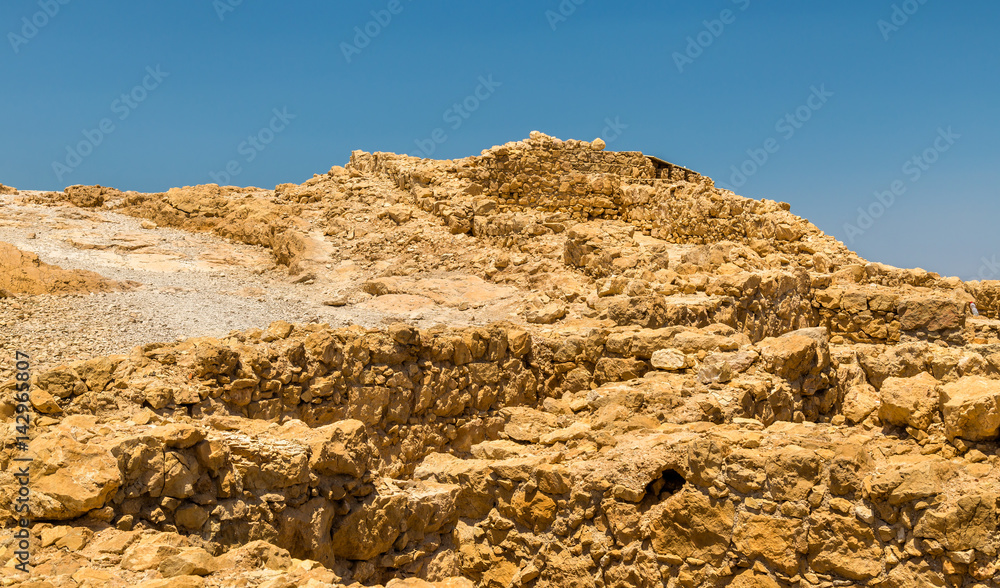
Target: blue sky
x,y
278,91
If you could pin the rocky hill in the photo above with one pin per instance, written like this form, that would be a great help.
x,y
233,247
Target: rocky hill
x,y
547,366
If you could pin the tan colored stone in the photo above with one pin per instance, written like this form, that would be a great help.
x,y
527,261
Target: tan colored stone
x,y
91,578
776,540
178,435
191,517
842,545
547,314
193,561
970,408
909,402
693,525
789,356
76,539
147,555
933,313
750,579
256,554
341,449
670,360
176,582
44,402
71,478
860,401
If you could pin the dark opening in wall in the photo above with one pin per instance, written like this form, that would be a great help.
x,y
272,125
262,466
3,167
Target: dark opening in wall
x,y
664,486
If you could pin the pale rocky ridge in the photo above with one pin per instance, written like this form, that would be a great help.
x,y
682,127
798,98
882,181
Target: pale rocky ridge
x,y
693,389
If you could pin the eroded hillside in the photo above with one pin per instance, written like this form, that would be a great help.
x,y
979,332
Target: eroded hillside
x,y
549,365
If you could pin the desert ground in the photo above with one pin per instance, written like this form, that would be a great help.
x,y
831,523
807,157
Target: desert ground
x,y
550,365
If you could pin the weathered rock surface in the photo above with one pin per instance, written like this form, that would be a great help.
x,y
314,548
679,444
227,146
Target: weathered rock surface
x,y
684,388
24,273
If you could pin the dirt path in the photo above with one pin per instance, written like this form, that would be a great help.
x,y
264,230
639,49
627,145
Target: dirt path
x,y
190,284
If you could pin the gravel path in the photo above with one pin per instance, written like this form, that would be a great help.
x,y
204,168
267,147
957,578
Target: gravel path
x,y
192,284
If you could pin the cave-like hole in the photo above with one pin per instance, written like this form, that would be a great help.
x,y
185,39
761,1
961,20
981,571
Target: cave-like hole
x,y
664,485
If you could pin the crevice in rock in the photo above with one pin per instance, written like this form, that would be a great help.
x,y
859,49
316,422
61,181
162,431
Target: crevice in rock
x,y
665,485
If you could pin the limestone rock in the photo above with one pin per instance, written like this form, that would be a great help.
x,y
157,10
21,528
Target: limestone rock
x,y
175,582
193,561
89,196
148,555
71,478
779,541
909,402
547,314
789,356
842,545
670,360
342,449
970,408
931,313
415,508
256,554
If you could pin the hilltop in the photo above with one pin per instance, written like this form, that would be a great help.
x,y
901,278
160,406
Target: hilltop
x,y
547,365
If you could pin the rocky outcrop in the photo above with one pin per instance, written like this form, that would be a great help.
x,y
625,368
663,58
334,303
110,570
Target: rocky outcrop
x,y
24,273
242,214
89,196
692,389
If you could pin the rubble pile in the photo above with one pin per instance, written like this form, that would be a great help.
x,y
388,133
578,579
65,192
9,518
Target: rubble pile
x,y
693,389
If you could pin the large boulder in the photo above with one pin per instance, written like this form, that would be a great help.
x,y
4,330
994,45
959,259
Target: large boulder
x,y
909,402
843,545
970,408
413,508
796,354
931,313
70,478
89,196
340,449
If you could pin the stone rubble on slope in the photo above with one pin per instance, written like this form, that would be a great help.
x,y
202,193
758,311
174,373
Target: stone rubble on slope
x,y
658,383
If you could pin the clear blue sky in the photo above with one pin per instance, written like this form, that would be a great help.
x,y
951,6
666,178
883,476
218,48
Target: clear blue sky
x,y
564,68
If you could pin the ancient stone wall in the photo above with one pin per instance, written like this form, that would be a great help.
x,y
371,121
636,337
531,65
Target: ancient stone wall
x,y
575,177
690,509
354,406
867,313
721,395
583,182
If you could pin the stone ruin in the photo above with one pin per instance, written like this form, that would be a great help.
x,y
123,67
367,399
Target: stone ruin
x,y
712,392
